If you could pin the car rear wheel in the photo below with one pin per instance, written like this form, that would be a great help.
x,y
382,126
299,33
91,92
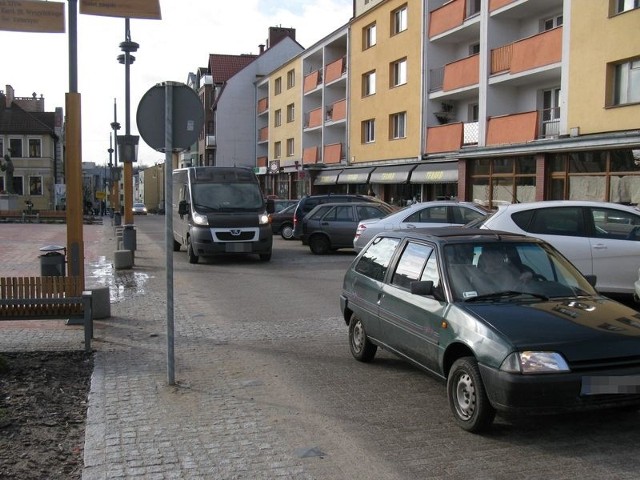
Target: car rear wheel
x,y
361,347
193,258
319,244
286,231
467,396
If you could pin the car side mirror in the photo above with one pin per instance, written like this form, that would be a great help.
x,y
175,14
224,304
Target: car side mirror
x,y
183,208
271,205
591,279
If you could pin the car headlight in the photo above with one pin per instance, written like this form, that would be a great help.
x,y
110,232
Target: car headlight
x,y
263,219
200,219
534,362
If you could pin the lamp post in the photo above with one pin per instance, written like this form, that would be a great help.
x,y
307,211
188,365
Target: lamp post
x,y
115,179
127,143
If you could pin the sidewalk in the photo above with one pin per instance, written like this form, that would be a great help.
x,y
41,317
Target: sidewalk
x,y
206,427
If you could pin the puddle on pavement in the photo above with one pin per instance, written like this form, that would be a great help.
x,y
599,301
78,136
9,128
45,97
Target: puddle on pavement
x,y
122,284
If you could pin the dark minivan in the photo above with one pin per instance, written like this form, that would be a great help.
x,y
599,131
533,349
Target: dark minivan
x,y
309,202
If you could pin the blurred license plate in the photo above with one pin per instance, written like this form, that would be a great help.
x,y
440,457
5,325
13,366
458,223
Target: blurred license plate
x,y
238,247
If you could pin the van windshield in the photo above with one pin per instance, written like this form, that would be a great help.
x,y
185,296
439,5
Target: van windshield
x,y
227,196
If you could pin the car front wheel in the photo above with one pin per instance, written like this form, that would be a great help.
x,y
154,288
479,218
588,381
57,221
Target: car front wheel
x,y
361,347
193,258
467,396
286,231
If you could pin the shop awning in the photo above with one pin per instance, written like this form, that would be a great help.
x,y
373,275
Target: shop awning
x,y
444,172
327,177
355,175
392,174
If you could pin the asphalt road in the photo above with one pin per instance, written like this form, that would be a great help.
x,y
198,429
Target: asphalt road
x,y
384,420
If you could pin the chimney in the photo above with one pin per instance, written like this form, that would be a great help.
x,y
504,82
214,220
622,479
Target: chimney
x,y
9,95
261,47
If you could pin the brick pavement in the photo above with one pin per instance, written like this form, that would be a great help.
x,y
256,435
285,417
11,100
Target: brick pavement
x,y
137,425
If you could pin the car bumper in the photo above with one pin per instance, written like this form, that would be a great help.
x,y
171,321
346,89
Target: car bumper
x,y
208,242
555,393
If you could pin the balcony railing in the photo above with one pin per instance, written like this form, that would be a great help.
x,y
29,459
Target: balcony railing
x,y
471,133
312,81
532,52
515,128
436,78
263,134
461,73
332,153
314,118
335,70
263,105
210,141
549,123
310,155
337,111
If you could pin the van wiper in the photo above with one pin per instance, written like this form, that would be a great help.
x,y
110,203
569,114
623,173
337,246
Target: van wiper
x,y
505,295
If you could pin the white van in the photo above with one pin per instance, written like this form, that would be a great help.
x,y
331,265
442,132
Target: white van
x,y
218,211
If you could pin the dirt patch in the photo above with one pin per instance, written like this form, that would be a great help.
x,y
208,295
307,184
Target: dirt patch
x,y
43,409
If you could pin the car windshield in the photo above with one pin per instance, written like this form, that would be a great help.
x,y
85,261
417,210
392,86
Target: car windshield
x,y
227,196
500,271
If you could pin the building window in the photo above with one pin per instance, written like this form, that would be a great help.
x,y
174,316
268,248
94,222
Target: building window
x,y
626,82
15,147
277,118
369,131
551,23
18,186
398,124
368,84
277,150
1,184
399,20
291,79
399,72
551,112
474,112
291,147
369,36
474,48
621,6
291,112
34,148
35,186
1,148
278,86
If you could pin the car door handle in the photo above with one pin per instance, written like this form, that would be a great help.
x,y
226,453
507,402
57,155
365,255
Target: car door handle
x,y
380,295
600,246
409,225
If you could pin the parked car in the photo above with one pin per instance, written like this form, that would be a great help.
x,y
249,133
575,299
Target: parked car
x,y
308,203
330,226
282,222
636,287
539,340
139,209
600,238
439,213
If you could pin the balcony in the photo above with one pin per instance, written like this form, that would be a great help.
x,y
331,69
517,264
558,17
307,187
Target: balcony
x,y
518,9
529,53
313,118
312,81
453,15
549,123
261,162
210,141
496,4
515,128
337,111
444,138
455,75
310,155
263,134
335,70
263,105
332,153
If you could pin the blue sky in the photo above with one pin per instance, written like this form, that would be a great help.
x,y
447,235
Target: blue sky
x,y
169,49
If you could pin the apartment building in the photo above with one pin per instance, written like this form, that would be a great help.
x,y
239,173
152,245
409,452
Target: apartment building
x,y
32,139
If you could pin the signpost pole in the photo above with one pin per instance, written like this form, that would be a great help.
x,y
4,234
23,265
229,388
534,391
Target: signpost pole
x,y
168,221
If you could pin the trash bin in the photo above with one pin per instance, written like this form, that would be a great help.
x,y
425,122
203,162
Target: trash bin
x,y
129,238
117,219
53,261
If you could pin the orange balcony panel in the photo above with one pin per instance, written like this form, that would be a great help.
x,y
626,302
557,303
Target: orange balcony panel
x,y
315,118
537,51
311,81
332,153
310,155
261,162
263,134
263,104
334,70
516,128
339,110
501,58
496,4
463,73
446,17
445,138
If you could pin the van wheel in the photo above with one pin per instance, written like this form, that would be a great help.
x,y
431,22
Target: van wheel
x,y
176,246
319,244
265,257
193,258
287,231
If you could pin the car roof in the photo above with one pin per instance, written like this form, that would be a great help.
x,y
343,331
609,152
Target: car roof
x,y
447,235
516,207
363,204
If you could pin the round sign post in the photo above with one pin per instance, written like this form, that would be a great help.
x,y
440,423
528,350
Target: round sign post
x,y
170,116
